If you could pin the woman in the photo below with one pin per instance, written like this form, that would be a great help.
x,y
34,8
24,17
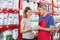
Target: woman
x,y
26,29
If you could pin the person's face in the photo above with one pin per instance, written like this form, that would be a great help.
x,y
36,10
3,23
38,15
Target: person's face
x,y
29,12
43,11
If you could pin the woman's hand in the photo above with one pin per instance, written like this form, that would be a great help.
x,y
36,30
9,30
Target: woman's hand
x,y
37,28
29,28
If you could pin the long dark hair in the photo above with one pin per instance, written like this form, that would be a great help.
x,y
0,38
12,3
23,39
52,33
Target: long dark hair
x,y
25,11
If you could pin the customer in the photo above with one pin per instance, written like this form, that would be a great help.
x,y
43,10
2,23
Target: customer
x,y
46,24
25,28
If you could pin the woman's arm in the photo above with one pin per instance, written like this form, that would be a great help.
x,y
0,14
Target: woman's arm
x,y
22,30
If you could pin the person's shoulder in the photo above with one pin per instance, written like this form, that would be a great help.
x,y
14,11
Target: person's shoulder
x,y
23,20
40,16
50,16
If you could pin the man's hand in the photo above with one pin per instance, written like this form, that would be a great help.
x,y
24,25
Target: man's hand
x,y
56,29
29,28
52,28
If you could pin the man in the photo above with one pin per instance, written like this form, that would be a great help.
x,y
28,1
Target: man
x,y
46,24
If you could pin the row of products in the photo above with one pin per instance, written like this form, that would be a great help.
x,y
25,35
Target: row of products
x,y
56,34
9,4
49,1
9,34
9,18
56,17
55,10
32,5
57,2
33,0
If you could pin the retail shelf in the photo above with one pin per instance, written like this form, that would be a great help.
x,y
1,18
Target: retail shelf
x,y
50,4
57,6
9,27
56,14
5,10
39,12
57,21
46,3
42,2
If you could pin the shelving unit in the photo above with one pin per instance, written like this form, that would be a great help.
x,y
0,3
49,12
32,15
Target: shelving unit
x,y
42,2
51,4
11,26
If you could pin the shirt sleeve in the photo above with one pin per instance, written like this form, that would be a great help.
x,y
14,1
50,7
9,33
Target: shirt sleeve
x,y
23,20
51,21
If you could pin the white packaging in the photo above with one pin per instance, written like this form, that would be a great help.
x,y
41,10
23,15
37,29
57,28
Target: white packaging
x,y
4,4
16,4
57,25
15,33
26,4
31,5
1,1
35,6
10,19
21,12
5,33
56,36
1,18
16,19
34,20
37,1
55,9
5,18
0,6
10,4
